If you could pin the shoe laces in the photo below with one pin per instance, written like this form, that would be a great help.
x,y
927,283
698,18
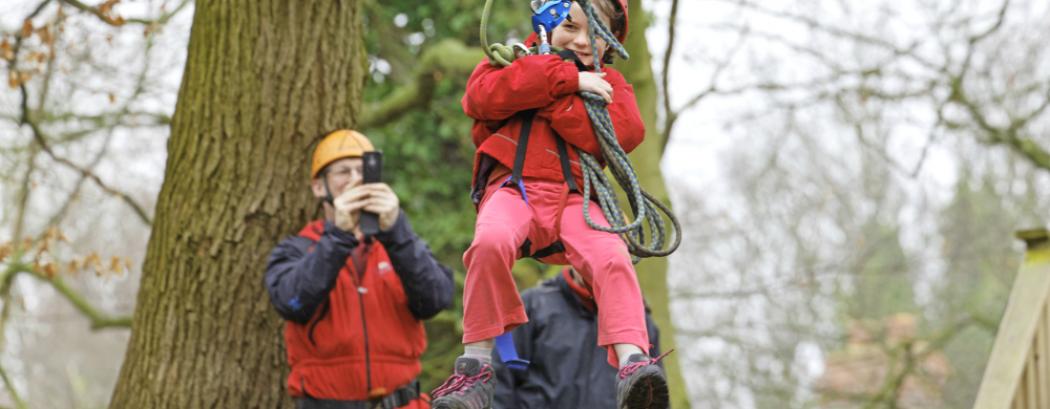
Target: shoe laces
x,y
634,366
460,383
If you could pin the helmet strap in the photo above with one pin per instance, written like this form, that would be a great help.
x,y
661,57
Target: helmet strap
x,y
327,191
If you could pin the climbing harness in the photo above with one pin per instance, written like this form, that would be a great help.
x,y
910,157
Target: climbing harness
x,y
646,209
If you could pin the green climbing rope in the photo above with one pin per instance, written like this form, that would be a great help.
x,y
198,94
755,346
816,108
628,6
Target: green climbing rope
x,y
646,209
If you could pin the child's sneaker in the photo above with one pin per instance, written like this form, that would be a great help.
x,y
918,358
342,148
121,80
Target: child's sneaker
x,y
471,387
642,385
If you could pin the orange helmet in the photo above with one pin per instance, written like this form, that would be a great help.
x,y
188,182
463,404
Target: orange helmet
x,y
339,144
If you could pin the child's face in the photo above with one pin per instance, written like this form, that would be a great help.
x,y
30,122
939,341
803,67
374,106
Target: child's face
x,y
572,35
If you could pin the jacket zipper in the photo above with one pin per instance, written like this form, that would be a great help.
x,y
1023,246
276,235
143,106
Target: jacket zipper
x,y
313,325
590,359
361,290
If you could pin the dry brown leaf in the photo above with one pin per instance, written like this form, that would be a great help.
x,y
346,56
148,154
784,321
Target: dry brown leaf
x,y
6,52
107,6
49,270
45,35
53,233
44,246
115,265
27,28
94,261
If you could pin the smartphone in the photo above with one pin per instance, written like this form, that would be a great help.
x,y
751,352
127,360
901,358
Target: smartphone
x,y
372,172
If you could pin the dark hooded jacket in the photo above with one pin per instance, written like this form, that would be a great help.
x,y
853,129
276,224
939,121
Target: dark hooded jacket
x,y
567,368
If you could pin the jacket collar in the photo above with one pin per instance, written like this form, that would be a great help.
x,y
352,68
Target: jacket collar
x,y
313,230
576,295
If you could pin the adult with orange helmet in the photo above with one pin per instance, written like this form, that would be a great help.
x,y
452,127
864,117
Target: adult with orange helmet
x,y
354,305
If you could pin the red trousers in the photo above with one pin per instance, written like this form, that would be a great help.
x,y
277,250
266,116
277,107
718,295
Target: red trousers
x,y
491,304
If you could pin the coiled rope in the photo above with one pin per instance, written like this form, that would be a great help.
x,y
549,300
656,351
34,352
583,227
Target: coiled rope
x,y
646,209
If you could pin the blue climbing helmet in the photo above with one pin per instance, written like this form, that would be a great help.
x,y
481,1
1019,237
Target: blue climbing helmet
x,y
548,14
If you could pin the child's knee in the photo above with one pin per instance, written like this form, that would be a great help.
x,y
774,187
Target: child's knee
x,y
493,240
606,263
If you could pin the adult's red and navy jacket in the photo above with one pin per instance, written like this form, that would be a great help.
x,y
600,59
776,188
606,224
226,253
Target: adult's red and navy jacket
x,y
548,84
567,368
353,331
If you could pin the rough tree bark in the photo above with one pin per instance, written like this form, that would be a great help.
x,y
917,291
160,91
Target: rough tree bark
x,y
263,80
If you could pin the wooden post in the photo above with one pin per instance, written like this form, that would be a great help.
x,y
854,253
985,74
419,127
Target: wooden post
x,y
1016,375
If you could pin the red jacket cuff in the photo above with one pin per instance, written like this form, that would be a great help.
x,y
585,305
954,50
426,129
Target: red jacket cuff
x,y
565,79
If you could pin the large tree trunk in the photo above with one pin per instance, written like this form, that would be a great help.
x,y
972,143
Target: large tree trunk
x,y
652,273
263,80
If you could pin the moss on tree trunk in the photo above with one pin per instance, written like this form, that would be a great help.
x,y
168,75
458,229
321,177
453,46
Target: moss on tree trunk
x,y
652,273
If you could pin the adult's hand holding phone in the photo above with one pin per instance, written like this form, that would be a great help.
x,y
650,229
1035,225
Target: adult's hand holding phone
x,y
383,202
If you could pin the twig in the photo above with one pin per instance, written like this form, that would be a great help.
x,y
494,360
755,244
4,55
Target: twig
x,y
137,208
98,319
665,78
117,119
11,389
838,32
38,134
163,18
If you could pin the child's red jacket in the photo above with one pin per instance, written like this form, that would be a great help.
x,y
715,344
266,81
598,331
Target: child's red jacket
x,y
547,83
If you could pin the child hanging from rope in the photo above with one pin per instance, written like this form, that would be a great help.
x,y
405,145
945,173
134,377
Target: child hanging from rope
x,y
526,190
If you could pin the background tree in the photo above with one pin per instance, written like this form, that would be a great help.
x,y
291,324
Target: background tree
x,y
263,81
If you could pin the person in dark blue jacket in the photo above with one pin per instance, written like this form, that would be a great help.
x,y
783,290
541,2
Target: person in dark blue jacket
x,y
567,368
354,305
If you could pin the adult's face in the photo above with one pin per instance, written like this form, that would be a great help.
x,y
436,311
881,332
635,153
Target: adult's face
x,y
342,175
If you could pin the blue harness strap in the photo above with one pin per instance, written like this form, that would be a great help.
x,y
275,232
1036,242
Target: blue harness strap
x,y
515,177
508,353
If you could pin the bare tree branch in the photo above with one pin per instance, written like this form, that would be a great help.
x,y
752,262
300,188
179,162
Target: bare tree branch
x,y
977,38
23,199
815,24
665,78
98,319
27,117
38,135
1008,136
19,404
117,119
119,21
671,115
